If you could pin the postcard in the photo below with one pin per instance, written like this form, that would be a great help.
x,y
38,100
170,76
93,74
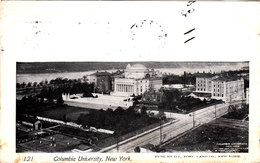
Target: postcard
x,y
158,81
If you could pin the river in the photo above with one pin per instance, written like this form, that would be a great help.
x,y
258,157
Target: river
x,y
38,77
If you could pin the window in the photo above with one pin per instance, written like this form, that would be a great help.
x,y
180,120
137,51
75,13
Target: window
x,y
204,85
218,90
218,85
213,94
204,89
222,95
214,85
218,95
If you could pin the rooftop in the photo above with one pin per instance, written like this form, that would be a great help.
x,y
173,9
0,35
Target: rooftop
x,y
204,75
135,66
227,78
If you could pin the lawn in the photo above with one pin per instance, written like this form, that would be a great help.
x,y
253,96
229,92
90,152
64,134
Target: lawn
x,y
63,112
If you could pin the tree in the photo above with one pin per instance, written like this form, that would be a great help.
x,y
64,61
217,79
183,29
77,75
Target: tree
x,y
232,110
41,83
60,100
143,111
23,85
29,84
137,149
34,84
46,82
18,85
84,78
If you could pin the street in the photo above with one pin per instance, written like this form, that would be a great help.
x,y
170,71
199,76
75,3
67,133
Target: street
x,y
172,130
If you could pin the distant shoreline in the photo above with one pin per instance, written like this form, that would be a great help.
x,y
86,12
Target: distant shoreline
x,y
70,67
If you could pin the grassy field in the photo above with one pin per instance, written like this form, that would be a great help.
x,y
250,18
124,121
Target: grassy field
x,y
211,138
63,112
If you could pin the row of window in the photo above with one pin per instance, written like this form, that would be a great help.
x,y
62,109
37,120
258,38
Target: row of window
x,y
218,95
201,85
202,81
202,89
215,90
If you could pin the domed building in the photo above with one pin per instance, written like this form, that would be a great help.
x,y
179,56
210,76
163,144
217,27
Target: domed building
x,y
136,71
136,80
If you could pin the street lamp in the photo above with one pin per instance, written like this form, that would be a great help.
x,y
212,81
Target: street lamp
x,y
160,118
193,119
215,110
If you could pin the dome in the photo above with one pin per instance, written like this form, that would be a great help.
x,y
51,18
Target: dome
x,y
136,66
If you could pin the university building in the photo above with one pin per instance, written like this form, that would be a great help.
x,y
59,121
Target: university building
x,y
224,88
101,80
228,88
136,80
204,82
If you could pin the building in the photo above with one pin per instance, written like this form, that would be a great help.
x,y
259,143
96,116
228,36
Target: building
x,y
153,97
204,82
102,81
220,87
136,80
228,88
30,122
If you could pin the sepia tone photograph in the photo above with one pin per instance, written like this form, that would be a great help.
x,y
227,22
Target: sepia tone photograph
x,y
132,107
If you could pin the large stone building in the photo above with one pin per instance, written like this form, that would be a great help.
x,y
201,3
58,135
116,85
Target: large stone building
x,y
136,80
204,82
220,87
101,80
228,88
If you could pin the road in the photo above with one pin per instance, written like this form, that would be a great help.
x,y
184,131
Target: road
x,y
172,130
